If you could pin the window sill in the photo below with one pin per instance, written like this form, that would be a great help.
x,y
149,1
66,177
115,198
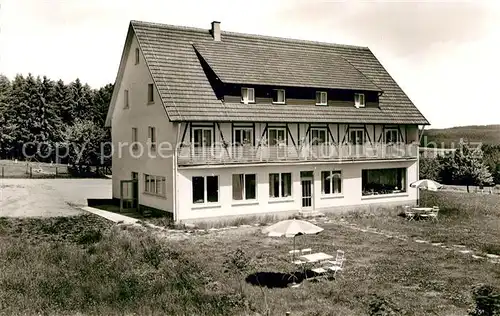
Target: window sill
x,y
202,206
382,196
155,195
245,202
331,196
281,200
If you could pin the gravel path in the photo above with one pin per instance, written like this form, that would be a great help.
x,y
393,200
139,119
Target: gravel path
x,y
49,197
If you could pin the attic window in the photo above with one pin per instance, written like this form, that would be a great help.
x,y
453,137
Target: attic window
x,y
279,96
137,54
126,103
150,93
359,100
321,98
247,95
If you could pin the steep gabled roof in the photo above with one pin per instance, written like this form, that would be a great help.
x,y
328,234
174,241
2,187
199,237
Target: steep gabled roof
x,y
187,94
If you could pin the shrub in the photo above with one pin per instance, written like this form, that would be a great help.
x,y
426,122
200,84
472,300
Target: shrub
x,y
380,306
90,236
486,299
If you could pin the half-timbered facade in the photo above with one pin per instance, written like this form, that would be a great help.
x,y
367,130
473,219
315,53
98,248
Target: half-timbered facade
x,y
209,124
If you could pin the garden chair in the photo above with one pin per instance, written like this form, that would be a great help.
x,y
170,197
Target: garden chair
x,y
432,214
409,213
338,259
319,273
338,266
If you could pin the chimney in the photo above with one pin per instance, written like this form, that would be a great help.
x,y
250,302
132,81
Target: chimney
x,y
216,31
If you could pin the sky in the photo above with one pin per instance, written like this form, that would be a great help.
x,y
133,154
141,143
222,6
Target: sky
x,y
443,54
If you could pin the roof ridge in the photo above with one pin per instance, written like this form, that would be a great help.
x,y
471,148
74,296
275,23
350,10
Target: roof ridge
x,y
248,35
293,40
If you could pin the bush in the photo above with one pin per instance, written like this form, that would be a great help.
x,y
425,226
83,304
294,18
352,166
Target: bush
x,y
90,236
486,299
380,306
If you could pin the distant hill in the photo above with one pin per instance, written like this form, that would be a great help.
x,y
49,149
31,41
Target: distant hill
x,y
487,134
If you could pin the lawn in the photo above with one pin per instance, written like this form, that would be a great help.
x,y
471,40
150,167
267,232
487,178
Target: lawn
x,y
23,169
98,269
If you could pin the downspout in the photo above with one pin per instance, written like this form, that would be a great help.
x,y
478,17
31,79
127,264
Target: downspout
x,y
174,161
418,161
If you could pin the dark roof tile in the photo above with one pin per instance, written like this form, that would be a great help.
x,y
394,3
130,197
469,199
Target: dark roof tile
x,y
187,94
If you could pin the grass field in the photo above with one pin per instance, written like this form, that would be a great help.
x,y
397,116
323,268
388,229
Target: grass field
x,y
97,269
23,169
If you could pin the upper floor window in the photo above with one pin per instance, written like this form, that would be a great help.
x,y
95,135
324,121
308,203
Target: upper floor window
x,y
321,98
243,136
137,55
248,95
134,134
134,138
202,137
152,136
359,100
279,96
277,136
126,104
357,136
391,135
151,98
318,136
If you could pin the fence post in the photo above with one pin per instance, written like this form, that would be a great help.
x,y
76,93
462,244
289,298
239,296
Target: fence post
x,y
31,172
56,173
2,172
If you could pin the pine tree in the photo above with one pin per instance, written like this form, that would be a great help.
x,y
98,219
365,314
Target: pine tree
x,y
102,98
17,114
81,101
62,102
5,126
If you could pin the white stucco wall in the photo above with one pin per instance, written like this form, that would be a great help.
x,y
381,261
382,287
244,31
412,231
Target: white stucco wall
x,y
140,115
351,189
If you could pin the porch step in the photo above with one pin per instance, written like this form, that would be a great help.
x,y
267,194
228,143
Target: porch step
x,y
311,213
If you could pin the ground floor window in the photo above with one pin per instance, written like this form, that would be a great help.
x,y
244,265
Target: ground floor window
x,y
280,185
244,187
154,185
205,189
384,181
331,182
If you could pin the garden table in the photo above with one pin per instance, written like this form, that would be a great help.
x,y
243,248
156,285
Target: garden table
x,y
316,257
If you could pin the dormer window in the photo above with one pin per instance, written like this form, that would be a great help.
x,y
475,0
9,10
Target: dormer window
x,y
247,95
321,98
359,100
279,96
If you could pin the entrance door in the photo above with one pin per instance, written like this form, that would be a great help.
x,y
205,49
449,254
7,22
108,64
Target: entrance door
x,y
135,190
306,180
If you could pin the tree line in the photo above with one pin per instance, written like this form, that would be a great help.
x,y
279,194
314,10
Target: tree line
x,y
39,116
466,166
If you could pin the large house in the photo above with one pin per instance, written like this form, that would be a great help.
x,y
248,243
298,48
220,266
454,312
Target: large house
x,y
210,124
